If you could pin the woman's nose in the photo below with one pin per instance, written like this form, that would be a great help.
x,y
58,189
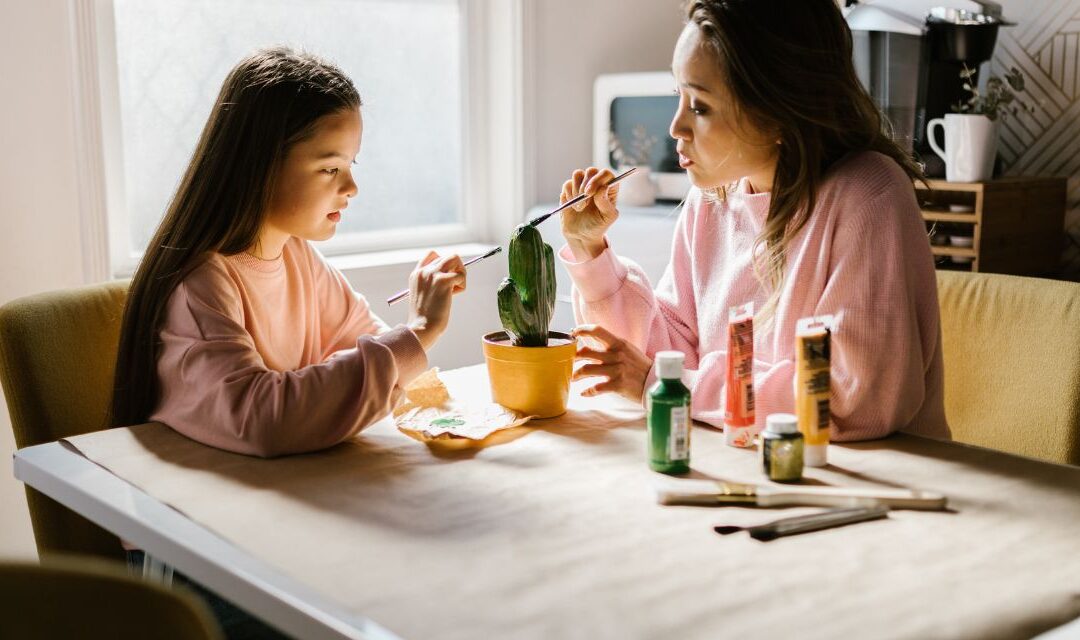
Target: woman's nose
x,y
350,186
678,128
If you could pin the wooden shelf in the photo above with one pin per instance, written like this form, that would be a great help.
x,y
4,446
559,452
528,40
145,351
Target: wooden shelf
x,y
1016,223
959,252
949,216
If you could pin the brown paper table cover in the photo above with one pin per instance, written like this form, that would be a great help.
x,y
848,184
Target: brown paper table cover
x,y
557,534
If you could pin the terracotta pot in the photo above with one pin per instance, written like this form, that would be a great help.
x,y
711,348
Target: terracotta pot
x,y
534,381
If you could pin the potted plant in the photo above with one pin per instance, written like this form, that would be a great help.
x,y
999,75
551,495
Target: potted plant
x,y
971,134
638,189
529,366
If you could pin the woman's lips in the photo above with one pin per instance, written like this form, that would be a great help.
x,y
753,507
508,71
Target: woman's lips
x,y
334,216
684,162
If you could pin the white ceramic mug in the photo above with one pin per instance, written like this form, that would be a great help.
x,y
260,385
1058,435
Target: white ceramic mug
x,y
970,146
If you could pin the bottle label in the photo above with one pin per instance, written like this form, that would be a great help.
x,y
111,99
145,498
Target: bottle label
x,y
679,443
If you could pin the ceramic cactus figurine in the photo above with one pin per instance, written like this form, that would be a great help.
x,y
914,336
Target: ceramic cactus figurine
x,y
527,297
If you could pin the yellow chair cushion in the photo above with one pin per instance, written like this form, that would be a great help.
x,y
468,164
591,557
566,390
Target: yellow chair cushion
x,y
1011,347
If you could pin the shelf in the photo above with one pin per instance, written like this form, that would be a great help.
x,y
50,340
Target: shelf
x,y
942,185
1011,221
949,216
959,252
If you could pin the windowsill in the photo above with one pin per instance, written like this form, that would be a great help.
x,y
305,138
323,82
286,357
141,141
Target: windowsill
x,y
373,260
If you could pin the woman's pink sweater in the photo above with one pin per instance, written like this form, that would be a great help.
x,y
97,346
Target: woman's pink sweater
x,y
270,357
863,256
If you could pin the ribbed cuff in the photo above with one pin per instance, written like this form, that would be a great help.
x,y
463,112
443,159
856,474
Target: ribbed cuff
x,y
598,278
409,354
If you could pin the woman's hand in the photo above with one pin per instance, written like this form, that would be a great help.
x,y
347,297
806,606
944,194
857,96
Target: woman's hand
x,y
585,223
625,367
432,284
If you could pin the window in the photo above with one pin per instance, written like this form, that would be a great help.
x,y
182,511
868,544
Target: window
x,y
422,68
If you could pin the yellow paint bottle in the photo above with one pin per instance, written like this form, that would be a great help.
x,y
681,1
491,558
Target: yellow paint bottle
x,y
812,385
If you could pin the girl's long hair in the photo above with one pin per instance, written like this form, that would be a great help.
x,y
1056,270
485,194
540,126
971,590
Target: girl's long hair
x,y
270,101
788,64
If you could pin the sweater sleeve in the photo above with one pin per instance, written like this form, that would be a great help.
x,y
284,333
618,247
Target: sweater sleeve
x,y
216,388
883,292
615,293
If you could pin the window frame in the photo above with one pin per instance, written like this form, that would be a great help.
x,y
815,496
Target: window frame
x,y
495,179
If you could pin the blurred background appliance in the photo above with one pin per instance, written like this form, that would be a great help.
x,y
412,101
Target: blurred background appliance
x,y
909,54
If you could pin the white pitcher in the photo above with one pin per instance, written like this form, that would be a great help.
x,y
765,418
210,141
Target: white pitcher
x,y
970,146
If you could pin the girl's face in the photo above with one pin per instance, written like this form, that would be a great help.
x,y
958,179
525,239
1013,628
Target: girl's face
x,y
314,183
716,145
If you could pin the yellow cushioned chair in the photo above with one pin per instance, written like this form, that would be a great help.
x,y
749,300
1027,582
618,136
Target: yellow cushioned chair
x,y
57,357
69,597
1011,347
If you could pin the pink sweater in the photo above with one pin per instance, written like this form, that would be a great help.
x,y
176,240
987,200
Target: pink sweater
x,y
863,256
278,356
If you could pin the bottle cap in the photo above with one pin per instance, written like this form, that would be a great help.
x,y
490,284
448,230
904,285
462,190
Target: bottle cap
x,y
814,455
669,365
781,423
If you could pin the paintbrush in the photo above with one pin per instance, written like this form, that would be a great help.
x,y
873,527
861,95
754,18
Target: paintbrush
x,y
404,293
805,524
571,202
716,492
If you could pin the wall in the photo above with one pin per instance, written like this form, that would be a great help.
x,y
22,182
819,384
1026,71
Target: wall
x,y
39,224
575,41
1045,45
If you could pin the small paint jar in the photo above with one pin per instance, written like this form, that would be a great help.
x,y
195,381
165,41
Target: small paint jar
x,y
782,448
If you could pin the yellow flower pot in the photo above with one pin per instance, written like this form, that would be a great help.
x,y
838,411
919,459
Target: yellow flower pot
x,y
534,381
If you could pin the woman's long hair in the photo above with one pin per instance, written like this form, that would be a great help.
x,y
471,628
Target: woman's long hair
x,y
788,65
270,101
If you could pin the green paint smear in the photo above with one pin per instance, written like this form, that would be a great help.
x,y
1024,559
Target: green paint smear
x,y
447,422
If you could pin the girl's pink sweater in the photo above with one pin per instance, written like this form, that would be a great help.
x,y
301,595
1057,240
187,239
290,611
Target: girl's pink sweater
x,y
863,256
270,357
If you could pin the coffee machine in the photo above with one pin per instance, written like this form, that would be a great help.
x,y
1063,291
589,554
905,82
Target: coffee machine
x,y
909,54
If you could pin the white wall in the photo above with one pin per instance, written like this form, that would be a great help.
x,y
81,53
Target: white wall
x,y
576,40
39,225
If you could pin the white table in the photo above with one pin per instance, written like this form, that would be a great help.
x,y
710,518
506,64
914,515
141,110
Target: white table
x,y
65,475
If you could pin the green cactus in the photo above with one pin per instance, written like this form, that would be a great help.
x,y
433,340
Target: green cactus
x,y
527,297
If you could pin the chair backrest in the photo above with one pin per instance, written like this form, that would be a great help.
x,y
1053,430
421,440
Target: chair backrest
x,y
68,597
57,358
1011,347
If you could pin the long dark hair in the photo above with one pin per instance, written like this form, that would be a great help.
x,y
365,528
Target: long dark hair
x,y
788,64
270,101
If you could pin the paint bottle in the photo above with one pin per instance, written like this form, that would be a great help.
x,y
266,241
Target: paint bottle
x,y
739,427
782,448
669,416
813,381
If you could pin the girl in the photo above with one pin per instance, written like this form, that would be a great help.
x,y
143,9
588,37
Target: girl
x,y
236,332
800,204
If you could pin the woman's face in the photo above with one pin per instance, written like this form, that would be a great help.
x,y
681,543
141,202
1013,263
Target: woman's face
x,y
716,145
315,180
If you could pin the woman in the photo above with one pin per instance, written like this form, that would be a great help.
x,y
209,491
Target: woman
x,y
801,204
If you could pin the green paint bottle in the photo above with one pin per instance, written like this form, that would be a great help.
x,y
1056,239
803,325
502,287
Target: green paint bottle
x,y
669,416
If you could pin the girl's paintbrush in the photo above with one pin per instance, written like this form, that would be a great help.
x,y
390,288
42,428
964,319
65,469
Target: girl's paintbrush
x,y
401,295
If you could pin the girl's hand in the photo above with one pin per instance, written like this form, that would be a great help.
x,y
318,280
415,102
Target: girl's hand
x,y
584,224
625,367
431,286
